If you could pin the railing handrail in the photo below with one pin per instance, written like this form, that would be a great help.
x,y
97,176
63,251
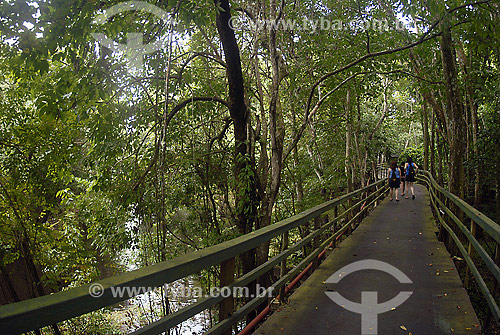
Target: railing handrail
x,y
477,217
490,226
42,311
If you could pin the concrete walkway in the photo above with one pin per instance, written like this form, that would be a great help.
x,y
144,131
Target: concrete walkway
x,y
403,235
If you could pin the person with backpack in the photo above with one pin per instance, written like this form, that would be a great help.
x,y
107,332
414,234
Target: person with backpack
x,y
410,172
394,175
403,184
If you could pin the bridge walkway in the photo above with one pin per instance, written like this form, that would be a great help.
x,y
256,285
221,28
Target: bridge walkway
x,y
402,234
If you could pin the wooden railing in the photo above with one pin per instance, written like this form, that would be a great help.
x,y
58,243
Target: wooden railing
x,y
452,212
47,310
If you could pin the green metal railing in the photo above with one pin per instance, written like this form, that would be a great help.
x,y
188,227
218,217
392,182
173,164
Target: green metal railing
x,y
451,211
43,311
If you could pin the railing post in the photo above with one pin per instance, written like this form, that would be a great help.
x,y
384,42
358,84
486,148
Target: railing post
x,y
349,215
435,195
442,230
362,207
336,213
497,262
316,242
307,246
467,270
334,226
454,250
226,306
448,240
493,289
283,269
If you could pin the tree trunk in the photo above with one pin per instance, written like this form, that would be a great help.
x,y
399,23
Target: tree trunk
x,y
315,155
440,151
477,168
10,285
299,187
497,195
37,282
466,64
454,111
245,183
432,145
425,126
277,134
348,134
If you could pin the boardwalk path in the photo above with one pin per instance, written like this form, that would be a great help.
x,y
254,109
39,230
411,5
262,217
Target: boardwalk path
x,y
403,235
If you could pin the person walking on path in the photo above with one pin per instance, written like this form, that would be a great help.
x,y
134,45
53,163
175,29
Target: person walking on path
x,y
410,172
403,184
394,176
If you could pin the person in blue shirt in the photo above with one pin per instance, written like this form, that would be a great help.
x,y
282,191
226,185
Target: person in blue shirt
x,y
394,176
410,172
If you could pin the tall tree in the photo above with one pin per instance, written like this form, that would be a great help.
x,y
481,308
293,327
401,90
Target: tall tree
x,y
454,109
244,170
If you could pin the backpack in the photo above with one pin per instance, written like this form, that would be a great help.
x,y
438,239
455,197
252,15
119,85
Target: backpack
x,y
411,169
394,174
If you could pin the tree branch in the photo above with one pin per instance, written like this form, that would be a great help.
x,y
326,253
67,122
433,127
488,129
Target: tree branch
x,y
169,117
425,37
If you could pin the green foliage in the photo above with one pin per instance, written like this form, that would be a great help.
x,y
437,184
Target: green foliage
x,y
96,181
245,186
416,154
101,322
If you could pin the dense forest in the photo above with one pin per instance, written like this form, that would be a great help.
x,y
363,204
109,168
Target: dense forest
x,y
245,113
